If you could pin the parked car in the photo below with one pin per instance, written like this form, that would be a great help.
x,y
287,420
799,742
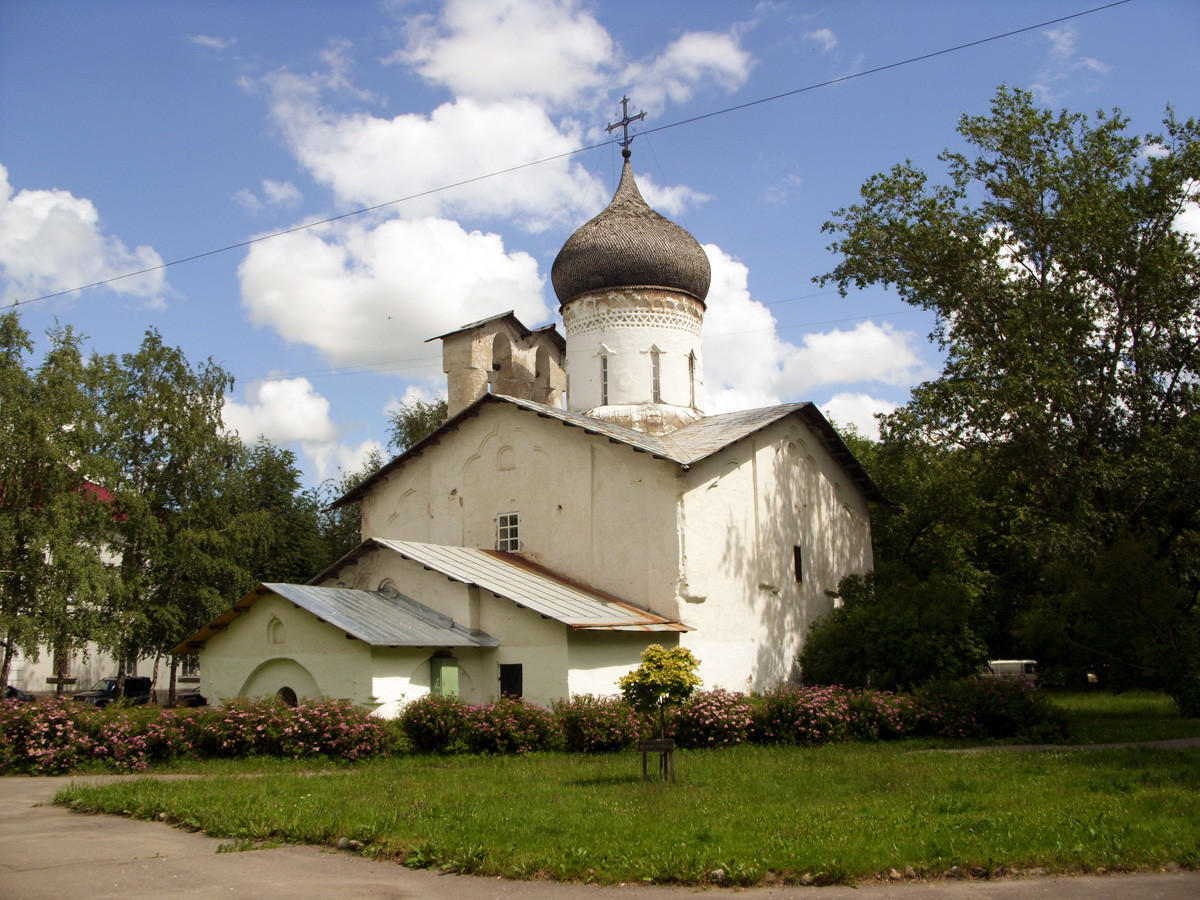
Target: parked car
x,y
15,693
1016,669
104,691
190,698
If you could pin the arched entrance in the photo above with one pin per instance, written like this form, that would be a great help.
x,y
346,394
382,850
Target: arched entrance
x,y
282,678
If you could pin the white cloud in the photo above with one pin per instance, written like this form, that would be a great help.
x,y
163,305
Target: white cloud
x,y
212,43
53,241
689,62
284,411
427,392
670,200
499,49
1063,64
329,459
288,411
858,410
1188,220
823,36
367,160
747,364
275,194
783,189
373,295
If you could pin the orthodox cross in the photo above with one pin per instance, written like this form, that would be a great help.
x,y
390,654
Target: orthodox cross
x,y
626,121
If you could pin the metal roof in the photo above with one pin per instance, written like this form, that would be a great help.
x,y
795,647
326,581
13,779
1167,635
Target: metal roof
x,y
531,586
378,618
684,447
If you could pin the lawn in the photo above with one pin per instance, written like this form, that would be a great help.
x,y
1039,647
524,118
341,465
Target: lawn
x,y
1099,717
834,813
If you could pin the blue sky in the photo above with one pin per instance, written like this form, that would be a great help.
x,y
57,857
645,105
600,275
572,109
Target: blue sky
x,y
135,133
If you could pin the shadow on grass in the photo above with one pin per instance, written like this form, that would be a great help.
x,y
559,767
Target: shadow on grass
x,y
604,781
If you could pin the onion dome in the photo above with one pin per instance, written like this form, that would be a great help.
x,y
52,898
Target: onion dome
x,y
630,245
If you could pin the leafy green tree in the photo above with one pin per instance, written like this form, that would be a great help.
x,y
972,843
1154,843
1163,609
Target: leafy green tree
x,y
665,678
414,420
167,454
920,616
1068,305
52,519
341,523
896,632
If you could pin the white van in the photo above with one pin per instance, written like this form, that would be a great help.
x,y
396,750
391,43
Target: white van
x,y
1016,669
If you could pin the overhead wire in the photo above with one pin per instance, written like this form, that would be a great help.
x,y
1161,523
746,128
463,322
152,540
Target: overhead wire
x,y
516,168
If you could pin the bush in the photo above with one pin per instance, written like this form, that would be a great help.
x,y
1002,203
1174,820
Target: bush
x,y
880,715
435,724
509,725
987,707
590,724
47,738
716,718
895,631
801,715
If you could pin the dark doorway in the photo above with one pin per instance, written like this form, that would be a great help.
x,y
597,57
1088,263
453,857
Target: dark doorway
x,y
511,680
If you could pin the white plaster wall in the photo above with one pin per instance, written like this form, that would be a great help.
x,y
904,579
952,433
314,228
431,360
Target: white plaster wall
x,y
87,666
538,644
744,511
625,325
597,659
591,510
339,668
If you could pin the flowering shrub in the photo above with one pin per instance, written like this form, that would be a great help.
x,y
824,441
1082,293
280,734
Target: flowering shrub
x,y
509,725
46,738
880,715
54,736
987,707
434,724
716,718
590,724
802,716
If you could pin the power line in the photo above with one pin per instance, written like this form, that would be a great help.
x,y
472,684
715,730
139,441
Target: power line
x,y
466,181
429,362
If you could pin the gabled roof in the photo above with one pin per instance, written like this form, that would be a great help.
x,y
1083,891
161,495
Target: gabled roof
x,y
684,447
534,587
378,618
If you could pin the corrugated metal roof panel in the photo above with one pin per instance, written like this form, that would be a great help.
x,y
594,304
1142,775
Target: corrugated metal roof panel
x,y
530,586
381,619
378,618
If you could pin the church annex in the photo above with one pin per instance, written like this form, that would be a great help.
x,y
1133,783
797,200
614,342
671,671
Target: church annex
x,y
576,506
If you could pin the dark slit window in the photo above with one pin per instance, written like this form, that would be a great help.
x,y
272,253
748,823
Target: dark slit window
x,y
511,680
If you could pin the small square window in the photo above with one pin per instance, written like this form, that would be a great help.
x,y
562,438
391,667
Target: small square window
x,y
507,533
798,562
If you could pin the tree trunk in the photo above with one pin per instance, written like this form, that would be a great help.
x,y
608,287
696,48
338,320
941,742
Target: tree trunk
x,y
121,657
6,663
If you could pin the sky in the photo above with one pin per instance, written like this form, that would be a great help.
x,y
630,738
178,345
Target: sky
x,y
135,133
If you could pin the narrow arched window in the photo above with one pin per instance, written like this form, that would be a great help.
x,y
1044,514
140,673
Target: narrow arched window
x,y
604,379
655,375
692,379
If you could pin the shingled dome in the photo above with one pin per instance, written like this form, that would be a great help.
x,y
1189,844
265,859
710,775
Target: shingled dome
x,y
630,245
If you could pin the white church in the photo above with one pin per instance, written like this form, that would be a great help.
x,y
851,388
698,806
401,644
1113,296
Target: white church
x,y
576,506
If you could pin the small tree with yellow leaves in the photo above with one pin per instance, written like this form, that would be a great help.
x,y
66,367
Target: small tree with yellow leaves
x,y
665,678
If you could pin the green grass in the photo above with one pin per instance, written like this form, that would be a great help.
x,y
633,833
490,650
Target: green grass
x,y
1099,717
835,813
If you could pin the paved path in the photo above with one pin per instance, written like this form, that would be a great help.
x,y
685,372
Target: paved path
x,y
50,853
